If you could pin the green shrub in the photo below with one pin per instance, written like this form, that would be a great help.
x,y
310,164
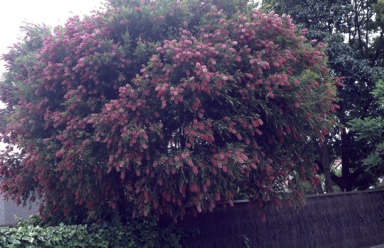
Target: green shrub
x,y
145,232
50,236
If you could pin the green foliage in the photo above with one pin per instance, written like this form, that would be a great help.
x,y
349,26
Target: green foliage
x,y
379,7
59,236
146,233
378,92
353,31
320,17
163,107
371,131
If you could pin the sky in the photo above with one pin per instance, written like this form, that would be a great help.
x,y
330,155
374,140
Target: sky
x,y
13,13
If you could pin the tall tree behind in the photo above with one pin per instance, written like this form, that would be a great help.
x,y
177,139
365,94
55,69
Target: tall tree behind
x,y
353,31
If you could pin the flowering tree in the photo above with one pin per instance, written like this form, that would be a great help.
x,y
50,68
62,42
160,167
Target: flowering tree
x,y
162,107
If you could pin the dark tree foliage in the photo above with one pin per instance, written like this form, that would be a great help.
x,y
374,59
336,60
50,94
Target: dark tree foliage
x,y
354,34
163,107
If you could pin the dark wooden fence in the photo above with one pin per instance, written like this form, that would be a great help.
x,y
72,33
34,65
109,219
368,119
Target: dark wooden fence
x,y
332,220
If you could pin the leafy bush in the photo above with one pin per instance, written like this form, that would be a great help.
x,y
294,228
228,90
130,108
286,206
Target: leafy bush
x,y
58,236
144,233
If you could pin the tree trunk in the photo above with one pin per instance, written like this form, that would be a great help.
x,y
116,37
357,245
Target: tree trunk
x,y
326,166
345,182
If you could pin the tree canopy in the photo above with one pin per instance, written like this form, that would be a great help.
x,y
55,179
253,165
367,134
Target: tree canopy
x,y
163,107
353,31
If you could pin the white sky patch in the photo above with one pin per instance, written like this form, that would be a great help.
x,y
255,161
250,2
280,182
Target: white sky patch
x,y
13,13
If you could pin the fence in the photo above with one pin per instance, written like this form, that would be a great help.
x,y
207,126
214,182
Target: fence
x,y
331,220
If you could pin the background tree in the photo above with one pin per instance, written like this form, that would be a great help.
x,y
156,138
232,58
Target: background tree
x,y
163,107
354,34
370,130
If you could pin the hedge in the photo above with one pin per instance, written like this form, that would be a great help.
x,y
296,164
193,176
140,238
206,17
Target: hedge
x,y
144,233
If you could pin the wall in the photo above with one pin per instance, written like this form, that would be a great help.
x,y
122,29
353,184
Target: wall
x,y
9,209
